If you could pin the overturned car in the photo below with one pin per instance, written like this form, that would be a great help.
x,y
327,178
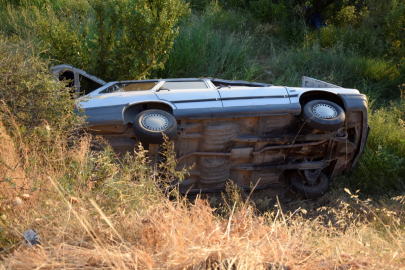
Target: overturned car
x,y
254,134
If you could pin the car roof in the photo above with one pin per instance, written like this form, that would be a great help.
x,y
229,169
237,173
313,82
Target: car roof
x,y
213,80
164,80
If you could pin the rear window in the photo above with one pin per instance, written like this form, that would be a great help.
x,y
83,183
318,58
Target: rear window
x,y
129,87
225,83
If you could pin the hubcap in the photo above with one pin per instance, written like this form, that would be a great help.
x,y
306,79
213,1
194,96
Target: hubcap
x,y
324,111
155,122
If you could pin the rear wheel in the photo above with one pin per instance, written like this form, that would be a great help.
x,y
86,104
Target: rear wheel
x,y
323,115
300,185
150,125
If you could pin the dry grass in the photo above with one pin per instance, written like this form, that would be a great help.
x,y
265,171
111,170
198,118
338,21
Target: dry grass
x,y
179,235
9,161
95,210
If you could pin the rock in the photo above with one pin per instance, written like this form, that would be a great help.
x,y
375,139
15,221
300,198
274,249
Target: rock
x,y
32,238
73,200
18,201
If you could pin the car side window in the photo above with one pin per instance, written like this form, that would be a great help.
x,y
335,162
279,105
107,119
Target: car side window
x,y
70,78
87,86
184,85
129,87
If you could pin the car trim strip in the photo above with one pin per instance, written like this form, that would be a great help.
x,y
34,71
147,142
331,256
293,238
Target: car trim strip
x,y
229,98
238,111
195,100
257,97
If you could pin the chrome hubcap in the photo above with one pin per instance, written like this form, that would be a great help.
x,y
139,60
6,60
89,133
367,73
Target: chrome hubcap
x,y
155,122
324,111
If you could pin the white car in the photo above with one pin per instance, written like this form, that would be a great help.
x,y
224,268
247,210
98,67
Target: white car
x,y
251,133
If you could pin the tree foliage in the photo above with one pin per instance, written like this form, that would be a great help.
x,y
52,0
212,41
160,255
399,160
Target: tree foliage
x,y
115,40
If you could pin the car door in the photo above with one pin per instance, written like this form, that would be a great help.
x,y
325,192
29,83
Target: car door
x,y
232,96
81,82
189,94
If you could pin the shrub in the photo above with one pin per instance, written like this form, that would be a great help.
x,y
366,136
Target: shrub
x,y
345,16
395,30
28,92
115,40
235,4
268,11
199,5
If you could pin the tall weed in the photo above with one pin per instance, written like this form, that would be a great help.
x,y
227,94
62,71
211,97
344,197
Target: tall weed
x,y
203,49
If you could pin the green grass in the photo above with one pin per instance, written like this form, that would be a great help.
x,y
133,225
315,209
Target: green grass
x,y
205,49
375,77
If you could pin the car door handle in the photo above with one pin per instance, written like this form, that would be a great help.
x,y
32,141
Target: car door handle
x,y
164,89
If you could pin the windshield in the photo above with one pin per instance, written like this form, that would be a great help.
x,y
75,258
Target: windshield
x,y
129,87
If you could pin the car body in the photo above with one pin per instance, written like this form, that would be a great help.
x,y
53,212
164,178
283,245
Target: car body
x,y
255,134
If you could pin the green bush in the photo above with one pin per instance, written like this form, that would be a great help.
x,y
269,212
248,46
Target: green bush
x,y
268,11
199,5
234,4
24,3
346,16
395,27
373,28
115,40
16,21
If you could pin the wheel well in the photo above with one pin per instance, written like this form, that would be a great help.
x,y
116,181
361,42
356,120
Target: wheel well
x,y
130,113
314,95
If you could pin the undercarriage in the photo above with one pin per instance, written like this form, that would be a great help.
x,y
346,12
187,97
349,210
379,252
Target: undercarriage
x,y
262,151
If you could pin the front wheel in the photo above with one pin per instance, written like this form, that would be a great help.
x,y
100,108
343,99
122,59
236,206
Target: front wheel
x,y
150,125
300,185
323,115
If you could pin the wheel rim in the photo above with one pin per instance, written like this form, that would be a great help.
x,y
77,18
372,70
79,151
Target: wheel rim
x,y
324,111
155,122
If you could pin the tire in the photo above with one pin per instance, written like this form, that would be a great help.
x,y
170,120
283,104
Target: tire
x,y
149,126
323,115
319,189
